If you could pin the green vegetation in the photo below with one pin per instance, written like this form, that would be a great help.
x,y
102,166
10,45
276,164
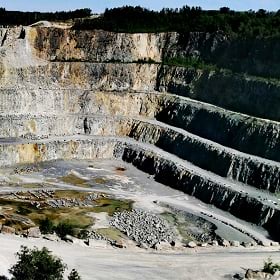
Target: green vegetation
x,y
74,275
190,62
65,228
34,264
270,267
184,20
46,226
112,205
27,18
111,233
74,180
64,220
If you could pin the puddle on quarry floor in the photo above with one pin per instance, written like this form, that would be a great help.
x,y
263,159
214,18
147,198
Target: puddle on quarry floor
x,y
73,189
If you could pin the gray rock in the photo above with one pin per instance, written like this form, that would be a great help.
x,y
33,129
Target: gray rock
x,y
191,244
246,244
225,243
51,237
143,227
34,232
214,243
265,243
234,243
8,230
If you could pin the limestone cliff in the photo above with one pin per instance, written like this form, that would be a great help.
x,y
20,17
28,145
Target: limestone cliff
x,y
214,134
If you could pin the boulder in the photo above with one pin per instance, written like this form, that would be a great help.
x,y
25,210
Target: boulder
x,y
246,244
214,243
225,243
51,237
144,246
265,243
191,244
8,230
162,246
234,243
69,238
34,232
273,243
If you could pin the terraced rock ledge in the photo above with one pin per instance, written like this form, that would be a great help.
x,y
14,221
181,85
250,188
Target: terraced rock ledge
x,y
207,134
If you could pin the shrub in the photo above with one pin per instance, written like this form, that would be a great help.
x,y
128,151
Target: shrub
x,y
270,267
46,226
74,275
64,228
34,264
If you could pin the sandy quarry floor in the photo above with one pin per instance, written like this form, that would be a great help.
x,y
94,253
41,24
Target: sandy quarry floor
x,y
100,261
108,263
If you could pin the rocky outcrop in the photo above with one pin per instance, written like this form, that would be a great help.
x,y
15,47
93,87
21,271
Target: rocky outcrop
x,y
240,93
97,46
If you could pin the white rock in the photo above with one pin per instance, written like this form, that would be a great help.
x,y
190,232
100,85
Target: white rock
x,y
191,244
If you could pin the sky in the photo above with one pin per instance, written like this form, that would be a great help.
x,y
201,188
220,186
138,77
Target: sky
x,y
98,6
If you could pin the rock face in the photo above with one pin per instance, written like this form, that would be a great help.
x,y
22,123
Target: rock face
x,y
215,134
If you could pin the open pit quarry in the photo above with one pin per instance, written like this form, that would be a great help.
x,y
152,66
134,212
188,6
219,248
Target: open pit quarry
x,y
194,146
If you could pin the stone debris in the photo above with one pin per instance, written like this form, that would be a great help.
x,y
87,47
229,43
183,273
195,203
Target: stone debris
x,y
8,230
93,235
259,275
26,169
145,228
41,198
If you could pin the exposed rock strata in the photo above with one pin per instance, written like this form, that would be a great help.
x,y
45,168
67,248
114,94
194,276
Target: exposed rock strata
x,y
53,84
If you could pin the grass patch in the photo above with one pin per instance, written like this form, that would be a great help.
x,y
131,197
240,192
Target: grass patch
x,y
192,62
76,216
73,179
71,194
111,233
110,206
100,180
30,185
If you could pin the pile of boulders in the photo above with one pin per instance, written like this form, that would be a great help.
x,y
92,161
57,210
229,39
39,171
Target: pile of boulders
x,y
146,229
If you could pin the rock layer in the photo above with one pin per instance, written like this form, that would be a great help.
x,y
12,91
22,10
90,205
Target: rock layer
x,y
92,94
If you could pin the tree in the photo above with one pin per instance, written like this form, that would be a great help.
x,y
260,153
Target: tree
x,y
74,275
34,264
